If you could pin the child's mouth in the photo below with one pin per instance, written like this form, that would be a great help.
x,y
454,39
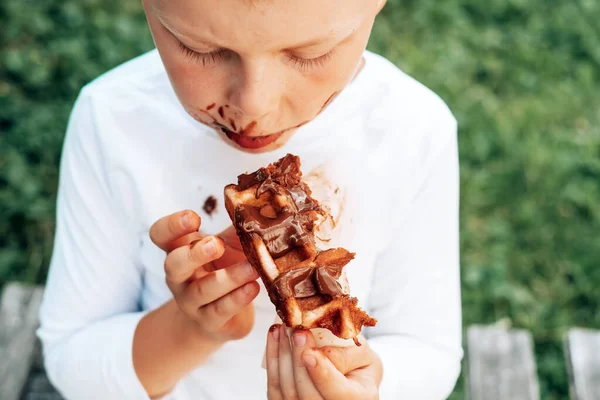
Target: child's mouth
x,y
250,142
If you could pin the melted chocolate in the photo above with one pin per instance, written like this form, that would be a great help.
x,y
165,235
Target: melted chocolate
x,y
326,280
285,228
247,180
309,281
268,186
280,234
290,227
296,283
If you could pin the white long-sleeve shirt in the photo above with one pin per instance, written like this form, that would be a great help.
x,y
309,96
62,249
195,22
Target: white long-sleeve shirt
x,y
133,155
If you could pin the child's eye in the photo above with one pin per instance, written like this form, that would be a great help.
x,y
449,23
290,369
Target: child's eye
x,y
306,63
202,58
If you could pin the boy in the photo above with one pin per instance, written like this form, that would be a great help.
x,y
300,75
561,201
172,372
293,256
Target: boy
x,y
234,85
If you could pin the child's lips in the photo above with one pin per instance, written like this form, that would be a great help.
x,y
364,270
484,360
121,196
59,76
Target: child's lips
x,y
251,142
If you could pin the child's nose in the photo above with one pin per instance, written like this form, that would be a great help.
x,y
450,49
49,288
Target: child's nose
x,y
257,89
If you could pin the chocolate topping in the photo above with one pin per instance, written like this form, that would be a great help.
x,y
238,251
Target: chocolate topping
x,y
272,207
285,172
319,278
326,280
291,225
283,228
267,186
296,283
280,234
247,180
308,281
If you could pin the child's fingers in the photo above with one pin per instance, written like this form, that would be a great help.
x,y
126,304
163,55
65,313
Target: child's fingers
x,y
231,238
181,263
219,283
185,240
272,358
347,359
330,382
286,366
215,315
302,340
168,229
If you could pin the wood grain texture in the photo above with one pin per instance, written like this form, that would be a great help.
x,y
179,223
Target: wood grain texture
x,y
582,350
500,364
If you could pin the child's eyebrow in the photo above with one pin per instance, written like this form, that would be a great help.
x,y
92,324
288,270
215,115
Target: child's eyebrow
x,y
337,35
314,42
178,33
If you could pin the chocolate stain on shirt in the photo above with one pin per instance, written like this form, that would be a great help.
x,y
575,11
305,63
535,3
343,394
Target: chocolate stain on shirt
x,y
210,205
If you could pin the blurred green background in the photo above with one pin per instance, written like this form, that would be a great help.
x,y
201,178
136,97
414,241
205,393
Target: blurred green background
x,y
522,77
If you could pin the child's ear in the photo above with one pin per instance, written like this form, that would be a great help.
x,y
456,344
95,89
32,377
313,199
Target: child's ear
x,y
380,4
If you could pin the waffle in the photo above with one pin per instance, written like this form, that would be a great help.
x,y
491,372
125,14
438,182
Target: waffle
x,y
275,218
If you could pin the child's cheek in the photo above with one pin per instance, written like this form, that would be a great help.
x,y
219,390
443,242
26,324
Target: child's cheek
x,y
194,85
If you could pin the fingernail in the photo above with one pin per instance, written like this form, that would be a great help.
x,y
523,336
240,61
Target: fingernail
x,y
210,250
248,288
274,329
186,221
309,360
299,339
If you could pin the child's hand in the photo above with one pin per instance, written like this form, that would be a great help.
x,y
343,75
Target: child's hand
x,y
210,279
299,371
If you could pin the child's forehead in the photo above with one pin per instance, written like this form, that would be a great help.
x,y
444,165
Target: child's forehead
x,y
244,23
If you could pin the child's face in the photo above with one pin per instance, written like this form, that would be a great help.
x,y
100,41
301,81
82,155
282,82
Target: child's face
x,y
256,70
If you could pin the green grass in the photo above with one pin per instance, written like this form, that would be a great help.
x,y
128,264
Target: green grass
x,y
522,77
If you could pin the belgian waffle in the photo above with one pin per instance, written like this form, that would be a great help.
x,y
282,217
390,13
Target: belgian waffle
x,y
275,217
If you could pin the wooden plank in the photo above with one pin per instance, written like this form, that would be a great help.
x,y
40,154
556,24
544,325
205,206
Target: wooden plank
x,y
582,349
38,385
19,307
500,364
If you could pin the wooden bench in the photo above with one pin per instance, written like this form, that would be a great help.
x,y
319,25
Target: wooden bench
x,y
22,373
582,347
499,362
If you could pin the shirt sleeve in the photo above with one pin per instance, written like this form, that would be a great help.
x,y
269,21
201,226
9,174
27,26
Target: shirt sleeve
x,y
416,287
90,308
